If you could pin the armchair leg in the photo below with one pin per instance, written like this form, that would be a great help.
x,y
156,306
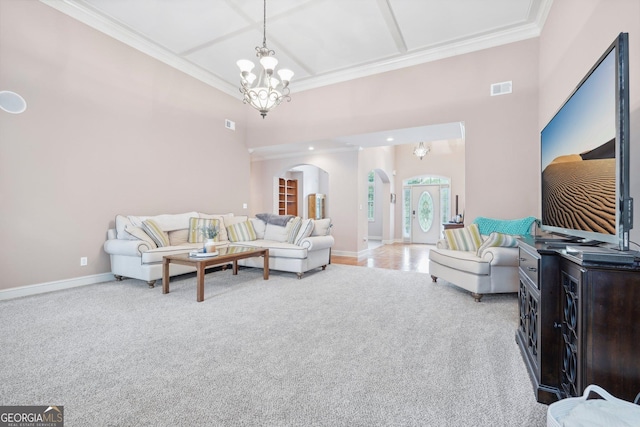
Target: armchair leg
x,y
434,278
118,277
151,283
476,296
300,275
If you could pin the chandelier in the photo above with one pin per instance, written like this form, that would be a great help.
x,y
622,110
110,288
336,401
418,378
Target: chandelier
x,y
267,92
421,151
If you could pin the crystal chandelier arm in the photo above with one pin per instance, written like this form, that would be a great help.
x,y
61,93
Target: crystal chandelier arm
x,y
285,76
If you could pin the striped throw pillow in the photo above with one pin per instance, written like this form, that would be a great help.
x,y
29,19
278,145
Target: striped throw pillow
x,y
197,224
155,232
293,226
306,228
241,232
496,239
464,239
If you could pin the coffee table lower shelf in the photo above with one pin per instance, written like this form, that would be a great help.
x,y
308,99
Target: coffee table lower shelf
x,y
226,255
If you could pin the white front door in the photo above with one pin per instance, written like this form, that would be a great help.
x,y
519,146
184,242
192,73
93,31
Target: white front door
x,y
425,214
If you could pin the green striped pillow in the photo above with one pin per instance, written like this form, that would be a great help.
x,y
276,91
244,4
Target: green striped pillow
x,y
241,232
197,224
496,239
155,232
464,239
293,226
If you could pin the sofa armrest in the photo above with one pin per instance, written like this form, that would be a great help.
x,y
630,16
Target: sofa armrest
x,y
442,244
502,256
126,247
314,243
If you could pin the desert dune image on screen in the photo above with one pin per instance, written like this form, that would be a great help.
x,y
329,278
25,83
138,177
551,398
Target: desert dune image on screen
x,y
578,157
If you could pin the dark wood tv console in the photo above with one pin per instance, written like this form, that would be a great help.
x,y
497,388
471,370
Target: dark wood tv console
x,y
579,323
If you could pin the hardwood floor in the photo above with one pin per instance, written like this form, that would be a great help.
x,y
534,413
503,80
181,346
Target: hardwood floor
x,y
397,256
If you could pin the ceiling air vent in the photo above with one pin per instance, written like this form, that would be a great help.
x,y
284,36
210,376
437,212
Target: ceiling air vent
x,y
501,88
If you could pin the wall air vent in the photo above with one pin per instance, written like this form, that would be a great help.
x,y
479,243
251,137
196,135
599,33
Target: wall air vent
x,y
229,124
501,88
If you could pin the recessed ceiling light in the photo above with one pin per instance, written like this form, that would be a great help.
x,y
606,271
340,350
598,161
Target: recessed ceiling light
x,y
390,139
311,148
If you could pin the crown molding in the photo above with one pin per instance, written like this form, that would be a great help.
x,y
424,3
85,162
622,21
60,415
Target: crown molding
x,y
421,57
85,14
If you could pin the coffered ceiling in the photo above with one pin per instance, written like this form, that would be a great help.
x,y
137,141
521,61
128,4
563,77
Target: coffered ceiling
x,y
322,41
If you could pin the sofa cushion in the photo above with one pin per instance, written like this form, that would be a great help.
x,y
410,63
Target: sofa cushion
x,y
463,239
154,231
178,237
279,249
259,226
197,224
139,234
306,228
461,260
498,240
321,227
121,224
235,219
241,232
277,233
166,222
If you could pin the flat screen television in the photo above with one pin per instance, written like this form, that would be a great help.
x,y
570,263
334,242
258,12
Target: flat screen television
x,y
585,157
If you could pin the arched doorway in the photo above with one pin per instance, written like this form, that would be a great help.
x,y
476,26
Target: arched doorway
x,y
309,180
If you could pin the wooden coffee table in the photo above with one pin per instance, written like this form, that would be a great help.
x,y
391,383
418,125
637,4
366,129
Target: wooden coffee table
x,y
225,255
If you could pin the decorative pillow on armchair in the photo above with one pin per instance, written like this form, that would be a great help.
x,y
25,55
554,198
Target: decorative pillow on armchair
x,y
464,239
519,226
496,239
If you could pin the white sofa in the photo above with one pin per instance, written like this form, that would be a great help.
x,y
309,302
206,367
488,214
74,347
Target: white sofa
x,y
491,267
135,254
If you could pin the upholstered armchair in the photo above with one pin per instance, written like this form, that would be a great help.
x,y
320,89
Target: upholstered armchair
x,y
478,262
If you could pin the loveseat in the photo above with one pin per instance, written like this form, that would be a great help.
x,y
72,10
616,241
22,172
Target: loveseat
x,y
137,244
482,257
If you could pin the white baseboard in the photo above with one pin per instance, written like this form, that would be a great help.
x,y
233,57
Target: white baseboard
x,y
41,288
343,253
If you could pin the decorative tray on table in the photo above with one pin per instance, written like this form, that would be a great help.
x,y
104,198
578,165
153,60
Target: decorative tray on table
x,y
200,254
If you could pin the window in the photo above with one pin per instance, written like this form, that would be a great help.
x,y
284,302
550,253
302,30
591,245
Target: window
x,y
371,196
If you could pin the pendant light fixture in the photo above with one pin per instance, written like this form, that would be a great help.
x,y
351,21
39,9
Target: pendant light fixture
x,y
421,151
264,92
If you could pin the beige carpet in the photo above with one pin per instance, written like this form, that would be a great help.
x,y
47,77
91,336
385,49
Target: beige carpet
x,y
349,346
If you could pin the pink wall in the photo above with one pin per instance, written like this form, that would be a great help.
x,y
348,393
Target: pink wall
x,y
107,130
576,34
501,132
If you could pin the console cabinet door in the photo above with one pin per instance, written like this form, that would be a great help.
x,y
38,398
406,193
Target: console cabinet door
x,y
571,378
601,329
